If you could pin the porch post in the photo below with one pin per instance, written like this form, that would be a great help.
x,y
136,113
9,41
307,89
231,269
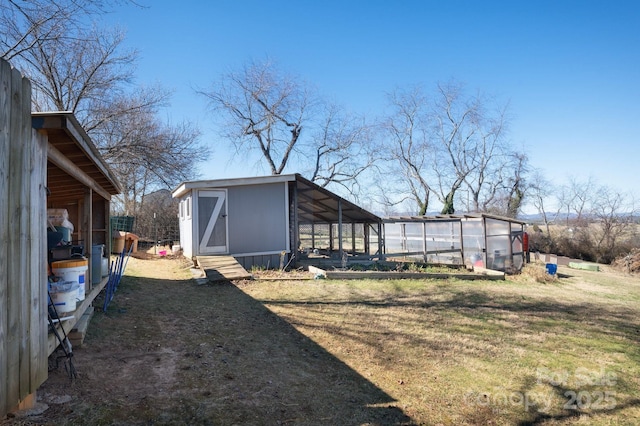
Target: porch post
x,y
340,228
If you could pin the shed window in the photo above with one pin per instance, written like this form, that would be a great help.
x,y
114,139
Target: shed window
x,y
188,208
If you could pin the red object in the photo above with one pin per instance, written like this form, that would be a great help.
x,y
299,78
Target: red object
x,y
525,242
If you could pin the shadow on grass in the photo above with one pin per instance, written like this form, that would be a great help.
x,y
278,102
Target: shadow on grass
x,y
620,327
225,359
172,352
482,305
580,404
295,378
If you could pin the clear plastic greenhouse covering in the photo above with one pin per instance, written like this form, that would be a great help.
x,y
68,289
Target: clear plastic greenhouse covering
x,y
471,240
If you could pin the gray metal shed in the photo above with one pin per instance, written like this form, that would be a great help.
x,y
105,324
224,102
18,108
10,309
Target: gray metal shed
x,y
263,221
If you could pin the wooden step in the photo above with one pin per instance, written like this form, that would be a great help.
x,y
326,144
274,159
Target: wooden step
x,y
77,333
222,268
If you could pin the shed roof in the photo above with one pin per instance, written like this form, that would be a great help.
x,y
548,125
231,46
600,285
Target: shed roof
x,y
450,217
315,204
319,205
74,162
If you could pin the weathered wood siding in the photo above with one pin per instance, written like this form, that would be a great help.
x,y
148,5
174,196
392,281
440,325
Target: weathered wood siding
x,y
23,275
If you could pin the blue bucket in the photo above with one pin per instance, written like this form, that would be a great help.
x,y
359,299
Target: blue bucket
x,y
552,268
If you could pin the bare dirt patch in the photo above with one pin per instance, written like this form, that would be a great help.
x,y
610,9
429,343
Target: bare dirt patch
x,y
170,351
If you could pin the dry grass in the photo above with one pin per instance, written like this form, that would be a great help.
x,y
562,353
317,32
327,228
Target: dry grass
x,y
358,352
482,352
536,272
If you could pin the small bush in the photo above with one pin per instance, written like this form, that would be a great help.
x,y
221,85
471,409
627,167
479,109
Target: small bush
x,y
539,241
629,262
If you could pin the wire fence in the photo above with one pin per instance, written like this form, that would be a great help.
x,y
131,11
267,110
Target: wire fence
x,y
326,237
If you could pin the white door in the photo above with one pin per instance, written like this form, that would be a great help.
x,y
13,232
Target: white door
x,y
212,222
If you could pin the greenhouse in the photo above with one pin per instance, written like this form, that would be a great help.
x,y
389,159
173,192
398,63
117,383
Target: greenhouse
x,y
471,240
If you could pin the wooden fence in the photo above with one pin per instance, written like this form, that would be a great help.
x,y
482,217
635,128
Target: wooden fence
x,y
23,251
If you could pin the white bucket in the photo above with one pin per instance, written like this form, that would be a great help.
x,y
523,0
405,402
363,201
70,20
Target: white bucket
x,y
72,270
64,296
105,267
176,249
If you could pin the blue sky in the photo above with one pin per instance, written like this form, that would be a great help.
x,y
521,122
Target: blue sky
x,y
569,69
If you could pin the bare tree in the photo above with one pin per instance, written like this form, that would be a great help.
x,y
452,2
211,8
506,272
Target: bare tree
x,y
541,190
614,215
453,132
72,64
343,146
156,219
88,76
470,145
265,110
409,153
81,68
600,221
576,199
145,153
505,194
80,74
583,195
27,24
449,143
517,184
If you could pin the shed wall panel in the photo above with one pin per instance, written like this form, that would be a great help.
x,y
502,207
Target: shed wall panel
x,y
473,242
258,219
269,261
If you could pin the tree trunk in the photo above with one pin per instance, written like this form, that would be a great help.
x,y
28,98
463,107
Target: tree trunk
x,y
448,207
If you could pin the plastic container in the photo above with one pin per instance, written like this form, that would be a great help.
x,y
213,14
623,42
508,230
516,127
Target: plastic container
x,y
97,253
105,267
64,295
72,270
66,233
476,260
552,268
117,243
123,241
